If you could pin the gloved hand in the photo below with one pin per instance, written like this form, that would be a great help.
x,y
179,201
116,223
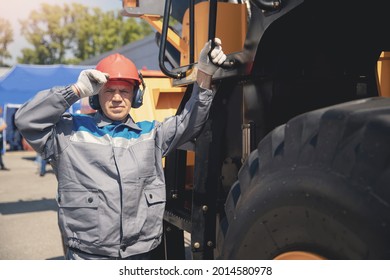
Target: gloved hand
x,y
217,57
90,82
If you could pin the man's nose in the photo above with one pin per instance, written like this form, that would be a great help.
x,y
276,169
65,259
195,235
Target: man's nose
x,y
117,96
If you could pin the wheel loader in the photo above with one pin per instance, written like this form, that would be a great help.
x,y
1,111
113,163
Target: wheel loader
x,y
294,160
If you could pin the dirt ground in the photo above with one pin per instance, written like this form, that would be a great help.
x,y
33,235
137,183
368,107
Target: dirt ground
x,y
28,211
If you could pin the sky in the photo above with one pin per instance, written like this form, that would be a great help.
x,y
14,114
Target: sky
x,y
15,10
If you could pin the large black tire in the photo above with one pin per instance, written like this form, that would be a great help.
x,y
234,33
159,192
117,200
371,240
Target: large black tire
x,y
319,184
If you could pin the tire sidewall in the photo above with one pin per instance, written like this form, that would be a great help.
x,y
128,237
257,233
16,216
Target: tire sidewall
x,y
310,209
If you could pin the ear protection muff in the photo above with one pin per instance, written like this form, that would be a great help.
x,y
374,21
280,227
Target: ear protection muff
x,y
94,102
137,101
138,93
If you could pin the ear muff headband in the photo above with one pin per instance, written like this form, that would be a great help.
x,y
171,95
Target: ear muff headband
x,y
137,97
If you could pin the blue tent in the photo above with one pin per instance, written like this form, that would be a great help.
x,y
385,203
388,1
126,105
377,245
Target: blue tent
x,y
24,81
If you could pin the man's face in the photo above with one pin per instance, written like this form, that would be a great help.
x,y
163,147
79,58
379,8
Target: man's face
x,y
115,99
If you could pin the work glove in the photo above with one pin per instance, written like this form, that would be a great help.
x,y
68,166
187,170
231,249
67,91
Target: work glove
x,y
90,82
216,55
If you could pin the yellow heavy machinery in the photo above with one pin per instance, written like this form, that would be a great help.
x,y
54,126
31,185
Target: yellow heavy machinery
x,y
294,160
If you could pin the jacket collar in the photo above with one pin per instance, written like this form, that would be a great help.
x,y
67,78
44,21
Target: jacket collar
x,y
101,121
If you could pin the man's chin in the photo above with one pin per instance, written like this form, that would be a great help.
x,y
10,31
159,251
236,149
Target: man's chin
x,y
117,116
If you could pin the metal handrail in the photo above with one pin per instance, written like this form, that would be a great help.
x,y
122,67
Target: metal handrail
x,y
163,43
268,5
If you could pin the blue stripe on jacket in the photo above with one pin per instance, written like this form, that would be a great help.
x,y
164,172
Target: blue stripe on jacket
x,y
87,123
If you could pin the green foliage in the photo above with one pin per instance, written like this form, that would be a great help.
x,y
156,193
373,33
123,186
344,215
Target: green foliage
x,y
6,37
73,33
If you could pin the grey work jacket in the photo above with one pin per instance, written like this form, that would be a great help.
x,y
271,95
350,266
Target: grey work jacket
x,y
111,186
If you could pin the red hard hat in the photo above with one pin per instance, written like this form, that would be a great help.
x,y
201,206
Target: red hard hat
x,y
119,67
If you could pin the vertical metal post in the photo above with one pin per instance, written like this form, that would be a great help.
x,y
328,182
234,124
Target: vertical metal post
x,y
212,19
209,157
201,213
163,43
174,236
192,30
248,139
175,173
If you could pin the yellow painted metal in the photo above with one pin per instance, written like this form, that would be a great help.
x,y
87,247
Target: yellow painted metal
x,y
172,37
299,255
231,28
383,68
130,3
161,99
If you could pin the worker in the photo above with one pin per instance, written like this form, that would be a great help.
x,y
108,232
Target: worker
x,y
111,187
3,126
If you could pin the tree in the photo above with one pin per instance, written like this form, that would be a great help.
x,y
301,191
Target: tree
x,y
6,37
72,33
46,31
98,32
